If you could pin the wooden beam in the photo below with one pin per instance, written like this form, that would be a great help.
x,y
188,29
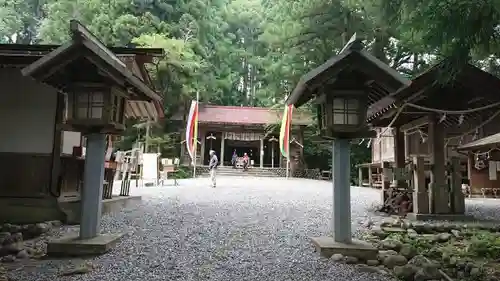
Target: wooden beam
x,y
415,124
32,68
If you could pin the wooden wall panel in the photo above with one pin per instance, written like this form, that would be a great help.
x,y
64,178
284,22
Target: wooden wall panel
x,y
25,175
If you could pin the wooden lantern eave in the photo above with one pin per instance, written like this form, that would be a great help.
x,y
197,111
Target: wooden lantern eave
x,y
85,45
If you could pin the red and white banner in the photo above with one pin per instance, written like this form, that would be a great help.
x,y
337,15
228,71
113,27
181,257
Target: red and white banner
x,y
192,129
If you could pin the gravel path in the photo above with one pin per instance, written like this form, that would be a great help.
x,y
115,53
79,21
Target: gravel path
x,y
246,229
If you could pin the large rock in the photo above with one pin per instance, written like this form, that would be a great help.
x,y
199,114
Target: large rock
x,y
423,228
408,251
428,272
13,248
442,237
385,253
4,238
8,259
418,260
405,272
392,261
337,257
379,233
456,233
17,237
35,230
390,244
350,260
23,254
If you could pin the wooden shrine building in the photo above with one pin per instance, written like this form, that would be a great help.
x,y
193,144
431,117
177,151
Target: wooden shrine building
x,y
438,111
41,176
251,130
483,166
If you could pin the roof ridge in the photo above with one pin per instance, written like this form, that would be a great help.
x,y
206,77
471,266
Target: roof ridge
x,y
236,107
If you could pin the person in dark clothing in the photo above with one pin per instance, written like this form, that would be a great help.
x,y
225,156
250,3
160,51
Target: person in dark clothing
x,y
234,158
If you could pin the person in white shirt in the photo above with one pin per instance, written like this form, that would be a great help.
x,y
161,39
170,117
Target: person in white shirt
x,y
212,166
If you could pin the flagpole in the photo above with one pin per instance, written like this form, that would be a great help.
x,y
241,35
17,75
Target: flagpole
x,y
196,138
287,167
289,142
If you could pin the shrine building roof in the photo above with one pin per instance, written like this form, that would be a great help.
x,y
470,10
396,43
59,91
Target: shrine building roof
x,y
244,115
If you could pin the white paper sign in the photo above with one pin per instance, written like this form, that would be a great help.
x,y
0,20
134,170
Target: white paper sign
x,y
150,166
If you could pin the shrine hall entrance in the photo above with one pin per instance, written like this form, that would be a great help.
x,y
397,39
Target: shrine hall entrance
x,y
258,148
251,148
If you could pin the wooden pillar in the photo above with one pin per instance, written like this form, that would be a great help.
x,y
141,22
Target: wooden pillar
x,y
470,163
439,197
386,179
370,175
222,150
407,145
457,197
399,154
360,176
301,140
183,149
202,148
261,152
420,193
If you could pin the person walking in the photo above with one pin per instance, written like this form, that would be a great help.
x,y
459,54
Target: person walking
x,y
246,161
212,166
234,159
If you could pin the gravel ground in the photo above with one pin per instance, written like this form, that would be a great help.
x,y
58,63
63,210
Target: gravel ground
x,y
246,229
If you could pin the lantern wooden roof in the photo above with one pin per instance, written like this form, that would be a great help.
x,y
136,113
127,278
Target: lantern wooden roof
x,y
355,64
437,88
85,58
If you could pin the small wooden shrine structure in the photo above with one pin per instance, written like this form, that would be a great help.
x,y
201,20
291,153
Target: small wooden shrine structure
x,y
483,166
437,112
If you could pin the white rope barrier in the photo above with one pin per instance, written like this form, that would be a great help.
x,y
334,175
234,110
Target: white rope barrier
x,y
453,111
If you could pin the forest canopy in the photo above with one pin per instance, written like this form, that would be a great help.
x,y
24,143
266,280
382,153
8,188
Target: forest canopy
x,y
252,52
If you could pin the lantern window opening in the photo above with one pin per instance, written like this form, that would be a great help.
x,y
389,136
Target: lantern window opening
x,y
345,111
89,105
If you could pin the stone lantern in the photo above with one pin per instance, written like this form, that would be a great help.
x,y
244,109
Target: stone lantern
x,y
340,91
341,118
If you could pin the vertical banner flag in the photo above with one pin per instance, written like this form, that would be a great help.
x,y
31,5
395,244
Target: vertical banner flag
x,y
192,129
285,131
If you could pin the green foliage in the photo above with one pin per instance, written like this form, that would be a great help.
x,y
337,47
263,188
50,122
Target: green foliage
x,y
485,244
183,172
253,52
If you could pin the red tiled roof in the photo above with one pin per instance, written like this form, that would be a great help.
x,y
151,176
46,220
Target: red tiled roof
x,y
245,115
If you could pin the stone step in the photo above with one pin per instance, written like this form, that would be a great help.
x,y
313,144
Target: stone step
x,y
253,172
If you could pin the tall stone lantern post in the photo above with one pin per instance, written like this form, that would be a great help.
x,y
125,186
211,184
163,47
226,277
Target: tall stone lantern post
x,y
342,101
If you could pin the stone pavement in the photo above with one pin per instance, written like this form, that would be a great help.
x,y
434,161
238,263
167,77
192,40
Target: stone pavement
x,y
245,229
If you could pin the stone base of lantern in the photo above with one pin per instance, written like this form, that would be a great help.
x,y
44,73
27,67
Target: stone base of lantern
x,y
73,246
326,246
